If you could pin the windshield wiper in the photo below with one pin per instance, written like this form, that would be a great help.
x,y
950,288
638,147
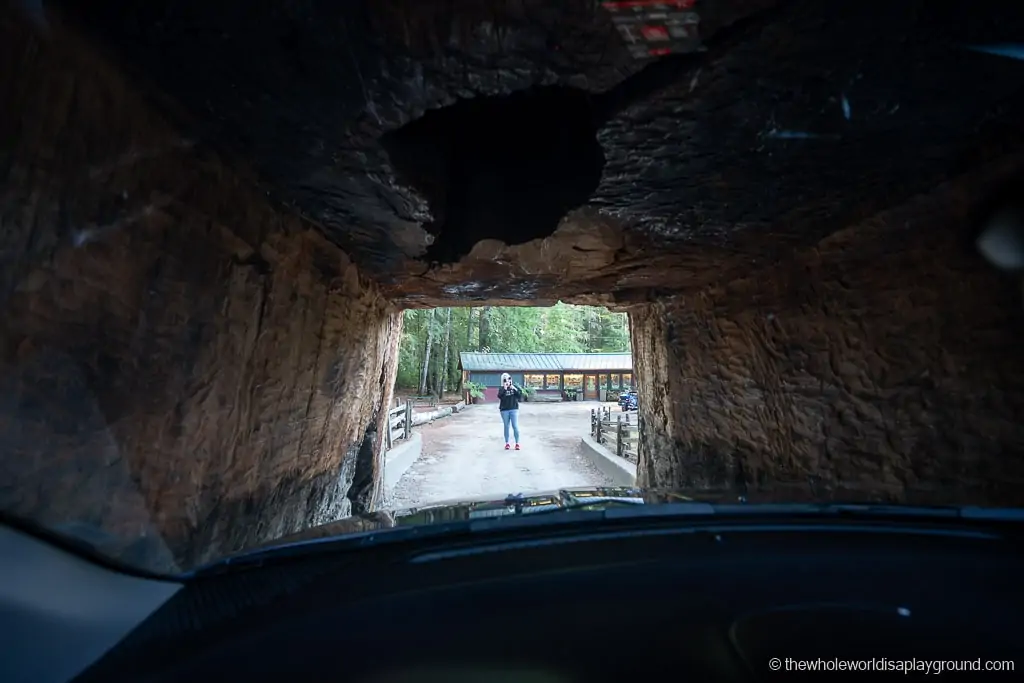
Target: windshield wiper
x,y
520,507
580,506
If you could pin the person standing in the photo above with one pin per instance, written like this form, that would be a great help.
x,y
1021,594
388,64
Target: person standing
x,y
508,403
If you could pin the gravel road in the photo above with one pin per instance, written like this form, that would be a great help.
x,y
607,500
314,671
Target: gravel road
x,y
463,455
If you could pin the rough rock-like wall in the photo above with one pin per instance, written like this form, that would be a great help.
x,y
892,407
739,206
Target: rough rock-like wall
x,y
886,363
178,360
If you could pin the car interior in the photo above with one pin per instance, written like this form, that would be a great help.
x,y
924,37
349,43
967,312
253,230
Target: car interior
x,y
716,600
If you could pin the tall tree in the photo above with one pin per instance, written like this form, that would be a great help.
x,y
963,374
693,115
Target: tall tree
x,y
426,353
561,331
443,375
469,328
485,329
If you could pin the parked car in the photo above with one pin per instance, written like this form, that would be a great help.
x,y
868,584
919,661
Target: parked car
x,y
628,400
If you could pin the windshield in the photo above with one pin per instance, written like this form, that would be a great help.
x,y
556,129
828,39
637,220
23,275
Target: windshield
x,y
294,271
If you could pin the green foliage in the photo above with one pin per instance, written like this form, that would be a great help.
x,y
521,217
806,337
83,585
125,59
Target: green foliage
x,y
562,328
475,390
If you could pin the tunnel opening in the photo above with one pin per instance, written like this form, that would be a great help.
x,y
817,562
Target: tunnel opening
x,y
433,340
566,363
507,168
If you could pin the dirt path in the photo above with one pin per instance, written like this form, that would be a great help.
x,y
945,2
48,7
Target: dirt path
x,y
463,455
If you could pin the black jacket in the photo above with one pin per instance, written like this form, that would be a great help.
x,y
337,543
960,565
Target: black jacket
x,y
509,400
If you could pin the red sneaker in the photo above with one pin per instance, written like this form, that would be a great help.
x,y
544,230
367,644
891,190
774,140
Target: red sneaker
x,y
507,447
517,447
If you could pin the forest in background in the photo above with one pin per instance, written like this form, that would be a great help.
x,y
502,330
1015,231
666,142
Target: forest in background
x,y
433,338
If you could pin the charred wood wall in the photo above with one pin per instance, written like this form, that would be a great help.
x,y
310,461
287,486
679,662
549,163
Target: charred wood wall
x,y
178,360
884,363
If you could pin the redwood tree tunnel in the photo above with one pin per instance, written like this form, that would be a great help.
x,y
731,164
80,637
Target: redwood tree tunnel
x,y
208,237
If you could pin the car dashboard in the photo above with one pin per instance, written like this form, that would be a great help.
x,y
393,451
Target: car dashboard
x,y
722,601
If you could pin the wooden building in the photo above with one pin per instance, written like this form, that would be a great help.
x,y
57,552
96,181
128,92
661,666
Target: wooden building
x,y
591,374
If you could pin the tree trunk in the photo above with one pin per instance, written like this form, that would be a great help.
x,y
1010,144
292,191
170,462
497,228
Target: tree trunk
x,y
485,328
469,329
443,375
426,355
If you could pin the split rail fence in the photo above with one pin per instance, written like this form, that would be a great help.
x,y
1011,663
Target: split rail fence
x,y
399,424
621,435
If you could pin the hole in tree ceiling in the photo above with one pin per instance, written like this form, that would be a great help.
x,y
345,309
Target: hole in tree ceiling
x,y
505,168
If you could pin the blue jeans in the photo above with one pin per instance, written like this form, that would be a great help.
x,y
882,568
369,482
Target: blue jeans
x,y
512,416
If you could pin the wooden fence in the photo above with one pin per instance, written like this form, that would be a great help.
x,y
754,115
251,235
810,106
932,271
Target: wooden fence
x,y
399,424
621,434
